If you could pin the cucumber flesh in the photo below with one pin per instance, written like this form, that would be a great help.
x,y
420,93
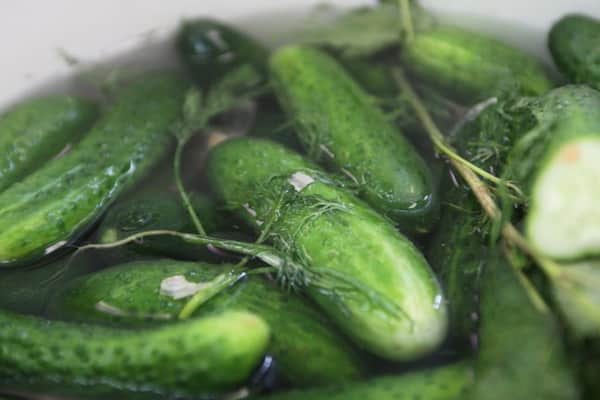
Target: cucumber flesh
x,y
564,217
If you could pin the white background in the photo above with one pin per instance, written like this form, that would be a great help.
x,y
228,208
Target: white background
x,y
32,31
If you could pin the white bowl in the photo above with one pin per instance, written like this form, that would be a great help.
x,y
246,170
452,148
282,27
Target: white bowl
x,y
42,40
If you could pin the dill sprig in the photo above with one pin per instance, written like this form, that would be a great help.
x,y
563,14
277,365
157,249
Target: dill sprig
x,y
199,108
290,274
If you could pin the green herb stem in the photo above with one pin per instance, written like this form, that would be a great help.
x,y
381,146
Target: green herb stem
x,y
479,188
182,192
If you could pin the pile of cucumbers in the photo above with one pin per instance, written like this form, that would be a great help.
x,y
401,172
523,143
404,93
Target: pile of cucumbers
x,y
350,235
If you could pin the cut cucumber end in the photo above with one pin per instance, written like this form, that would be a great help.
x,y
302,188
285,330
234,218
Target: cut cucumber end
x,y
564,217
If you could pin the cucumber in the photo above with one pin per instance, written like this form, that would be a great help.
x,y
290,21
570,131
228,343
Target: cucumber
x,y
537,368
441,383
26,290
486,143
490,311
204,356
339,125
469,66
377,79
211,49
159,211
573,43
329,229
307,348
556,164
459,267
49,208
34,131
490,308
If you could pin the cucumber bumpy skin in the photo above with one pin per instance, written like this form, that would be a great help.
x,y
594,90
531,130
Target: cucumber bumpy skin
x,y
573,43
199,357
308,350
34,131
469,66
556,163
330,229
338,123
442,383
49,208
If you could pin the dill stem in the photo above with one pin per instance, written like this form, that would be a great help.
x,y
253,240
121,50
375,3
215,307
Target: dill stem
x,y
217,285
406,18
468,173
433,131
180,188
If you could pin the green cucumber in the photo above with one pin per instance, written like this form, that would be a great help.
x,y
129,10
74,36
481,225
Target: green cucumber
x,y
522,355
211,49
490,311
51,207
36,130
199,357
307,348
339,124
441,383
490,307
329,229
159,211
377,79
459,267
485,142
573,42
470,66
556,163
26,290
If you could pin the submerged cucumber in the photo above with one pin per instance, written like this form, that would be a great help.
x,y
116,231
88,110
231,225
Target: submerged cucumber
x,y
441,383
490,311
458,249
404,315
50,207
306,347
338,123
573,42
159,211
556,162
26,290
199,357
522,355
458,260
490,307
483,292
34,131
211,49
470,66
